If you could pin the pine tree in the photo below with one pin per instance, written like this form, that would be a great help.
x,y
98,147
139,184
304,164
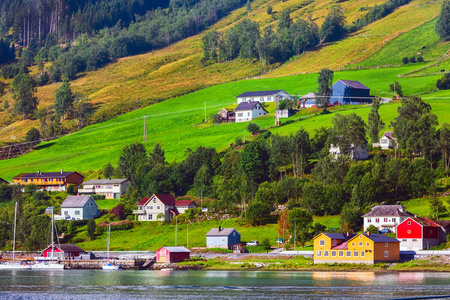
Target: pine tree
x,y
443,21
64,99
24,95
374,121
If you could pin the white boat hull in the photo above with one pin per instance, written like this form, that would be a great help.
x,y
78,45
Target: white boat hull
x,y
110,267
48,266
14,266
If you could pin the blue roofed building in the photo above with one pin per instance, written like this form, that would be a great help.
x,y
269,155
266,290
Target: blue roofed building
x,y
222,238
350,92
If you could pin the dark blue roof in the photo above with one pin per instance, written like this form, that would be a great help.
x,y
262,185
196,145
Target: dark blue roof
x,y
339,236
248,106
380,238
259,93
354,84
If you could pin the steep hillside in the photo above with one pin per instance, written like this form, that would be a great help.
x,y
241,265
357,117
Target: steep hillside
x,y
177,70
141,80
173,122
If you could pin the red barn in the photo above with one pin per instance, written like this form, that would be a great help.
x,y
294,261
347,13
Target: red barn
x,y
63,251
172,254
421,233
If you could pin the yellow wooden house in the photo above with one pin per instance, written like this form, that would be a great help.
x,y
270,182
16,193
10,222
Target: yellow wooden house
x,y
355,248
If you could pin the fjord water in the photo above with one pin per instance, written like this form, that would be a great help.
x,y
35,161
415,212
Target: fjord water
x,y
98,284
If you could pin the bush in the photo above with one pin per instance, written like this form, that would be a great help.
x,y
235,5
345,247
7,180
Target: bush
x,y
372,229
121,225
420,59
43,79
412,59
98,197
253,128
71,189
405,60
444,82
238,141
10,71
39,195
269,10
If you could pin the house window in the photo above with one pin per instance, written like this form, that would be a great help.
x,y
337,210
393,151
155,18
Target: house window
x,y
319,253
431,231
360,236
269,98
150,217
341,253
158,207
386,253
386,244
355,253
77,212
348,253
369,220
240,115
334,242
360,244
377,220
333,253
363,253
93,212
409,222
385,219
393,220
248,114
154,200
322,243
325,253
151,207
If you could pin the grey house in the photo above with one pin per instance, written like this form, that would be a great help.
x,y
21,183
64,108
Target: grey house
x,y
263,96
222,238
110,188
78,208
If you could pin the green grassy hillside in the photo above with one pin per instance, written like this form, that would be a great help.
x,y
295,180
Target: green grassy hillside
x,y
173,122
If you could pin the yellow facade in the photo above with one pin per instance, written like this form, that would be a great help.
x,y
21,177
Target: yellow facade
x,y
358,249
40,181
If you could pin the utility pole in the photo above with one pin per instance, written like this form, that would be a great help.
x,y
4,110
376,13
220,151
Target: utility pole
x,y
277,117
295,233
187,235
145,128
201,199
244,133
205,110
176,229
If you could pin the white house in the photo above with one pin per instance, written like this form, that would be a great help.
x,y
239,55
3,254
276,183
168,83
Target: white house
x,y
263,96
78,208
355,152
247,111
183,205
110,188
387,141
150,208
386,216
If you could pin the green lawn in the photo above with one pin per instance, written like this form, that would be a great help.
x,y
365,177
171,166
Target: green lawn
x,y
152,236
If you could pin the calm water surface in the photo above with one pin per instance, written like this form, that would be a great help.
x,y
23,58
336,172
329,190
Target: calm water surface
x,y
93,284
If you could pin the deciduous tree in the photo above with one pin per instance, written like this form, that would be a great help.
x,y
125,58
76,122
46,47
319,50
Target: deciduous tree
x,y
443,21
24,95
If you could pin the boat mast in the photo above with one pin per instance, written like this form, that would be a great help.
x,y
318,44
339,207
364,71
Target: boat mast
x,y
14,239
53,246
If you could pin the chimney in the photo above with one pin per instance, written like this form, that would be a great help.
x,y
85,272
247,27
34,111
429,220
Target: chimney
x,y
368,232
382,203
39,172
220,228
98,177
109,178
61,171
348,234
398,202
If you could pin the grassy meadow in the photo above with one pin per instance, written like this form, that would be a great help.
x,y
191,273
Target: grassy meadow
x,y
176,123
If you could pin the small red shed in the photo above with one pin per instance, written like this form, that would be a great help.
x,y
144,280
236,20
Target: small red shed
x,y
63,251
172,254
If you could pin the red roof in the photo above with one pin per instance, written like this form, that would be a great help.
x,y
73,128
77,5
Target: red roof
x,y
183,202
166,199
342,246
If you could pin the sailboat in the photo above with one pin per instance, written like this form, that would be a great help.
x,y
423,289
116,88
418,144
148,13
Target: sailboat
x,y
107,265
14,264
51,262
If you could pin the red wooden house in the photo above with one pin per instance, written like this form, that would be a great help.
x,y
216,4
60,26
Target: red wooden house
x,y
172,254
421,233
63,251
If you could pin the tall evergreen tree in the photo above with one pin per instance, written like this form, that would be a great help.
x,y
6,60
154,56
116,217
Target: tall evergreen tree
x,y
374,121
324,90
64,99
443,21
24,95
